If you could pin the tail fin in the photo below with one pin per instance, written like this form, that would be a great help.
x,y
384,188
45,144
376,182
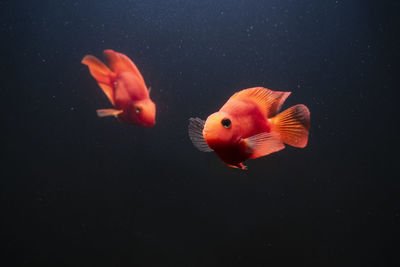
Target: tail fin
x,y
119,62
102,74
293,125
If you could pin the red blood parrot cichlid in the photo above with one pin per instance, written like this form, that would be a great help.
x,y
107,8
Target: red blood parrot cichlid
x,y
124,86
248,126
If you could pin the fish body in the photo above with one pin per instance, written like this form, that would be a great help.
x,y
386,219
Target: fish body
x,y
248,127
124,86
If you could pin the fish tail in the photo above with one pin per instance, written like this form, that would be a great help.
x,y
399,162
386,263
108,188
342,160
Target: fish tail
x,y
119,62
292,125
102,74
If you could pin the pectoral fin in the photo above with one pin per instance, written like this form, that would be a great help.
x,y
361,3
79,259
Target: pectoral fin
x,y
196,127
263,144
108,112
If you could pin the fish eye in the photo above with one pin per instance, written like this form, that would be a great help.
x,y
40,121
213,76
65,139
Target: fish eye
x,y
226,123
138,110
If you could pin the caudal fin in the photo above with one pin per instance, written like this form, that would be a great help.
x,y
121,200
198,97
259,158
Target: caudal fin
x,y
102,75
293,125
97,68
119,62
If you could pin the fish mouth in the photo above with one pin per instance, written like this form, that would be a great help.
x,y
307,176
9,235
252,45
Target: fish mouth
x,y
206,135
150,125
210,137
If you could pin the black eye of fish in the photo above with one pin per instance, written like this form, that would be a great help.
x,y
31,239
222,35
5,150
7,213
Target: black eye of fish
x,y
138,110
226,123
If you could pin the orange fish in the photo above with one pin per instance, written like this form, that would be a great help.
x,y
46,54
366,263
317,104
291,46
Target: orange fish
x,y
248,127
124,86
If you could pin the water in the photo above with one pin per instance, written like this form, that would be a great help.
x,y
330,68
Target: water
x,y
78,190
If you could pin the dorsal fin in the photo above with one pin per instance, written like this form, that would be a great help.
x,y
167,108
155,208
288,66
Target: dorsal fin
x,y
270,101
119,62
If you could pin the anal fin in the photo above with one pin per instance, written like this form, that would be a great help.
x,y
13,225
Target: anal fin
x,y
102,74
263,144
108,90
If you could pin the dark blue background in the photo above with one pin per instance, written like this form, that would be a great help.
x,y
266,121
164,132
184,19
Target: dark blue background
x,y
78,190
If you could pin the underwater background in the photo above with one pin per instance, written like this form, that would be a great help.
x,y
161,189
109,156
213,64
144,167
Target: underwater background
x,y
78,190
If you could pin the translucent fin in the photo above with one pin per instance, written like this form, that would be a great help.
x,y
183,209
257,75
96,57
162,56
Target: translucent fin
x,y
108,112
108,90
293,125
196,127
270,101
102,74
119,62
97,68
263,144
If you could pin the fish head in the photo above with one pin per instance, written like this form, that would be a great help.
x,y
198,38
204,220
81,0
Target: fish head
x,y
143,112
219,130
